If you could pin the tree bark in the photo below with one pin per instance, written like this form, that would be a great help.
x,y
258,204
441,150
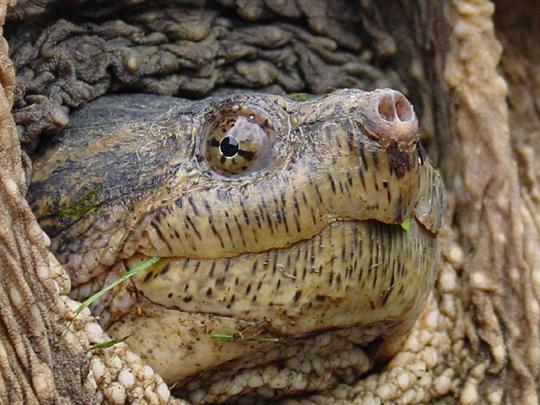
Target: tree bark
x,y
473,69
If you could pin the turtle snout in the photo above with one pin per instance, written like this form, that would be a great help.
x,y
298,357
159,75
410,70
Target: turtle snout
x,y
394,107
390,116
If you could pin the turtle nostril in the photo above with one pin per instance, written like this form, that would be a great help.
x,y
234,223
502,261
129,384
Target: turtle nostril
x,y
389,116
387,108
404,109
394,107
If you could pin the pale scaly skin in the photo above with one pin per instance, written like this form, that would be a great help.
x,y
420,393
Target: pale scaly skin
x,y
305,250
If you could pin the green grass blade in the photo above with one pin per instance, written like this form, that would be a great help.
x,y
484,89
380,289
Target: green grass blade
x,y
223,337
108,343
140,267
406,225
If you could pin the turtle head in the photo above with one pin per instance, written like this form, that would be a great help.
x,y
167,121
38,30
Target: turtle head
x,y
273,218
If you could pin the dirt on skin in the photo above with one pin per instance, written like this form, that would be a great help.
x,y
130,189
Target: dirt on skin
x,y
477,340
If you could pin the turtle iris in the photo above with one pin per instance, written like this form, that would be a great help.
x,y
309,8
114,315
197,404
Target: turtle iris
x,y
237,145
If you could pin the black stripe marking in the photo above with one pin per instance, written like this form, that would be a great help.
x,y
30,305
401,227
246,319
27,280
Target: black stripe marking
x,y
362,179
296,205
195,210
215,232
240,230
244,212
363,156
230,234
160,235
264,210
350,135
165,269
332,184
254,267
375,158
318,193
297,295
190,222
147,277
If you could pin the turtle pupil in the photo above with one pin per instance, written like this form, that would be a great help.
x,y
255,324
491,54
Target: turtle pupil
x,y
228,146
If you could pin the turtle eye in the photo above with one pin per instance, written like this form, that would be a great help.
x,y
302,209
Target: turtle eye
x,y
237,145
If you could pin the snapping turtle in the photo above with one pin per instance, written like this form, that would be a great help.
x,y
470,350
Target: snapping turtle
x,y
478,338
277,221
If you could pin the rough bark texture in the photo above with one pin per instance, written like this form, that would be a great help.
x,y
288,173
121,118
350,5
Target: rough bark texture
x,y
478,340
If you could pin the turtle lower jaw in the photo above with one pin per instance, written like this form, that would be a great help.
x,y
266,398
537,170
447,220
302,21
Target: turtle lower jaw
x,y
194,353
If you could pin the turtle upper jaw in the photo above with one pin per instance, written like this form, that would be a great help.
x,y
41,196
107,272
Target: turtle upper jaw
x,y
224,221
